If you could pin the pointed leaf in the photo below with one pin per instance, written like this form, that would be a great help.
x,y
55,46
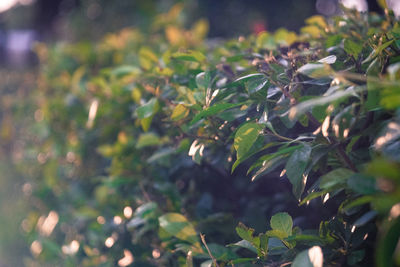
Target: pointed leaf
x,y
177,225
213,110
295,168
245,137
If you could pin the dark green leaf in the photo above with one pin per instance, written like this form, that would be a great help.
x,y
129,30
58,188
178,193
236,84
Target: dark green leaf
x,y
295,168
213,110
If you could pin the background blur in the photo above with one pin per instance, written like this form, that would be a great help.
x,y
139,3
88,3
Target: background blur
x,y
24,22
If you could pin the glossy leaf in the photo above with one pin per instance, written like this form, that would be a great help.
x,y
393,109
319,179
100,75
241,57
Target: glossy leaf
x,y
245,137
178,226
295,167
213,110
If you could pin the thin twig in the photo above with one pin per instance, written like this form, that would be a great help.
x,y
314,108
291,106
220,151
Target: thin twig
x,y
203,239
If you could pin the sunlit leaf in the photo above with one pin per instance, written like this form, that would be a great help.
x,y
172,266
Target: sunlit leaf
x,y
178,226
195,56
179,112
282,222
245,137
147,139
316,70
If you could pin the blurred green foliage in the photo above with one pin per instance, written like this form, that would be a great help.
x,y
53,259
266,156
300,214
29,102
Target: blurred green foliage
x,y
161,148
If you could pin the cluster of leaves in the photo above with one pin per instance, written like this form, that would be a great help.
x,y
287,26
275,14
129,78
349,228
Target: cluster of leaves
x,y
147,139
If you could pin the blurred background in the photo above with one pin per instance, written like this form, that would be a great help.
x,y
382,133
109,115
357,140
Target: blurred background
x,y
25,22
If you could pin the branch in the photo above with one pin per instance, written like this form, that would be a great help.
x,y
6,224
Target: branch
x,y
203,239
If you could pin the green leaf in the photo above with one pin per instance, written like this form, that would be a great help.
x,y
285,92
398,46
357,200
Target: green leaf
x,y
282,222
125,70
213,110
179,112
362,183
244,232
295,168
146,122
352,48
263,252
313,195
148,139
190,55
277,234
334,178
312,257
386,247
245,137
307,105
177,225
355,257
255,84
244,244
249,77
203,80
257,147
149,109
316,70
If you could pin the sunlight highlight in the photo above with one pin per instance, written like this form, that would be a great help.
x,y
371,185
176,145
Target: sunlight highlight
x,y
71,249
127,259
128,212
316,257
92,113
7,4
46,225
36,248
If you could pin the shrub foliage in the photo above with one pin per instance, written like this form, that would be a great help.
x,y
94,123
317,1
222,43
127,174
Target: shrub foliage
x,y
166,149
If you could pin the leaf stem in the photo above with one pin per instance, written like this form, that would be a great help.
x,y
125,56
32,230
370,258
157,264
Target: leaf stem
x,y
203,239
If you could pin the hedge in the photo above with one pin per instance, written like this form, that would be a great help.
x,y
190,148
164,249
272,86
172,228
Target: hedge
x,y
168,149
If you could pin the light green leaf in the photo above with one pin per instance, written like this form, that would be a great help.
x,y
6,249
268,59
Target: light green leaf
x,y
179,112
352,48
245,137
149,109
295,168
148,139
282,222
125,70
244,232
177,225
190,55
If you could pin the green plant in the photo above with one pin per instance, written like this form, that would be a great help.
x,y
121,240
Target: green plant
x,y
123,117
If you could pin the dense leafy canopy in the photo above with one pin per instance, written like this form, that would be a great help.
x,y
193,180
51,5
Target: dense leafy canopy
x,y
149,141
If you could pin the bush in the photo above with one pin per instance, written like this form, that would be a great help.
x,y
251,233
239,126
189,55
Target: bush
x,y
163,149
